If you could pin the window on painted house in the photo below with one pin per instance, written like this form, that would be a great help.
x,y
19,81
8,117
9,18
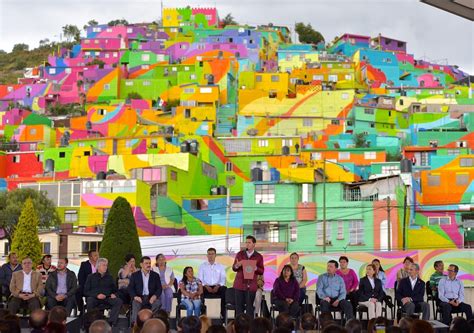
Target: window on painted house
x,y
466,162
275,78
340,230
434,180
356,232
307,193
263,143
199,204
258,78
369,111
442,220
46,247
16,159
129,83
264,194
318,77
267,231
62,154
70,216
370,155
209,170
293,231
106,86
146,83
287,142
320,232
335,122
453,152
332,78
462,179
348,77
52,71
238,146
316,156
145,57
173,175
145,66
101,112
307,122
229,166
105,215
90,246
100,144
344,155
390,169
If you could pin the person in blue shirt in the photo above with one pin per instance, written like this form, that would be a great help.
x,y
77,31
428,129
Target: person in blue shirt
x,y
451,296
332,291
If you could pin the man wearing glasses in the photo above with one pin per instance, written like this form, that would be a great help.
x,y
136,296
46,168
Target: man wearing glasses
x,y
26,287
451,296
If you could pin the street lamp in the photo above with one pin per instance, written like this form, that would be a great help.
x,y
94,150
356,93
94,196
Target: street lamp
x,y
324,197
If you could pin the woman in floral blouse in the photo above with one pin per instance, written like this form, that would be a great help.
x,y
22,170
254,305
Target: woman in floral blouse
x,y
191,291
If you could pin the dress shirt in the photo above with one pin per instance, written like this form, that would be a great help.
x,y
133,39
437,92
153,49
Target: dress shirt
x,y
212,274
331,286
249,254
145,277
450,289
93,268
372,282
62,287
413,282
26,282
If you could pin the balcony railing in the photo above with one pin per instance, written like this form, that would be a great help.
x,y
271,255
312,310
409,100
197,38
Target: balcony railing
x,y
355,195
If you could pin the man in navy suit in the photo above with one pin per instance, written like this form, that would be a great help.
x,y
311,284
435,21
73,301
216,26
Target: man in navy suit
x,y
144,288
411,291
87,267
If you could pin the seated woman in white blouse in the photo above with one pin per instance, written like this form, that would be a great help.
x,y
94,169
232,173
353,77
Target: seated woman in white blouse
x,y
371,292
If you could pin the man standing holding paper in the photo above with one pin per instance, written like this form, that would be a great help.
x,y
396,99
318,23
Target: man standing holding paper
x,y
248,264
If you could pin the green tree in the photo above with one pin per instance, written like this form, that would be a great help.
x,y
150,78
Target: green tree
x,y
91,23
120,236
228,20
117,22
360,140
307,34
11,204
20,47
72,33
25,241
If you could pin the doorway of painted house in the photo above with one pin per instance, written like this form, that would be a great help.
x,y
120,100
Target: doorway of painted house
x,y
384,236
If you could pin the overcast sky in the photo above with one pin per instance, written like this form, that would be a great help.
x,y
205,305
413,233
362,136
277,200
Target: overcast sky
x,y
430,32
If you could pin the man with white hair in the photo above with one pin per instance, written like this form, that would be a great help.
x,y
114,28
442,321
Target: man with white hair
x,y
410,293
100,289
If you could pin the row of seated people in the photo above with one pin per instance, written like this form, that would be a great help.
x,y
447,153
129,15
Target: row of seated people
x,y
336,289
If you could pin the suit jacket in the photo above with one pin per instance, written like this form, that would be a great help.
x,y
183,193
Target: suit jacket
x,y
52,284
240,283
366,291
16,284
404,290
135,287
84,271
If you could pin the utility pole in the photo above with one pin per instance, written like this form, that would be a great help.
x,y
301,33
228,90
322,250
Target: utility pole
x,y
389,227
227,220
405,219
324,206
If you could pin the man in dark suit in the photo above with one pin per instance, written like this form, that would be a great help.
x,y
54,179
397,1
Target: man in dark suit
x,y
87,267
61,286
144,288
100,289
411,291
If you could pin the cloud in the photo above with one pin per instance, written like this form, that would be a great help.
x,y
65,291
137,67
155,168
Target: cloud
x,y
429,32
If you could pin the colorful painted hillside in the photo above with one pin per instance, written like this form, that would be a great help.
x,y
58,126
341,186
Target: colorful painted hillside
x,y
205,128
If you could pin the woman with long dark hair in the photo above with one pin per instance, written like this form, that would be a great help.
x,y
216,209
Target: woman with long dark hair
x,y
167,282
191,291
286,292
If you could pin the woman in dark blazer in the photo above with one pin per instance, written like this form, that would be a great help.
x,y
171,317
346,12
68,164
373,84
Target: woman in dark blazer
x,y
371,292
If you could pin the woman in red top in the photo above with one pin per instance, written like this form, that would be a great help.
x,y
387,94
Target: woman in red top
x,y
286,292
